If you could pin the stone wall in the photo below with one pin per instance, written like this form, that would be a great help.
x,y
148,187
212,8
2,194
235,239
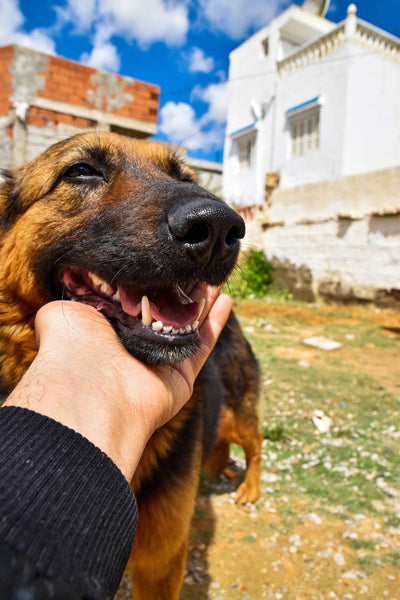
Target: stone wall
x,y
338,240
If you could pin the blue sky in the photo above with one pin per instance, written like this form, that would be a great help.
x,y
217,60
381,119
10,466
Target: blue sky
x,y
181,45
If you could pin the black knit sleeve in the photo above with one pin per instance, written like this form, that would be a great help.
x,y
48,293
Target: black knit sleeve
x,y
64,505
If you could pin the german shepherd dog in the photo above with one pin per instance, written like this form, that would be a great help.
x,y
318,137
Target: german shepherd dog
x,y
121,224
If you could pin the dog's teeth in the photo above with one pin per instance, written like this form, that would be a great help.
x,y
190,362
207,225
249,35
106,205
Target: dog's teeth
x,y
182,330
106,289
175,330
188,328
201,308
157,325
117,296
95,279
147,319
167,329
195,325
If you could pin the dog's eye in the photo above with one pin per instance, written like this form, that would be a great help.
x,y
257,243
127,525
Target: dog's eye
x,y
81,172
186,179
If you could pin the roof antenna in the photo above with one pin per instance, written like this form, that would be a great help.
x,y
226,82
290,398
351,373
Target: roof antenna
x,y
316,7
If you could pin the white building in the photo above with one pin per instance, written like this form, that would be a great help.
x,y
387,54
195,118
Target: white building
x,y
312,100
313,140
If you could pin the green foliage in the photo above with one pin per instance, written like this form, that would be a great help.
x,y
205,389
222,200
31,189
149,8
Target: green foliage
x,y
274,432
253,276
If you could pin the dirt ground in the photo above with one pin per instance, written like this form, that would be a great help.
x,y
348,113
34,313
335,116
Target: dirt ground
x,y
327,524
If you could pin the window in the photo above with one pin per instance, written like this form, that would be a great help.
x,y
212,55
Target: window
x,y
246,152
265,46
304,132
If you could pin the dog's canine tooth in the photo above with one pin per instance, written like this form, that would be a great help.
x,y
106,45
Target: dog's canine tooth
x,y
195,325
116,296
95,279
157,325
147,319
106,289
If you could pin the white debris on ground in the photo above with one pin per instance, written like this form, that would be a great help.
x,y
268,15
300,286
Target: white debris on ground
x,y
322,343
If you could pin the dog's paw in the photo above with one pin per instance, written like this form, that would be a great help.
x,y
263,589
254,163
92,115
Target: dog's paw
x,y
247,493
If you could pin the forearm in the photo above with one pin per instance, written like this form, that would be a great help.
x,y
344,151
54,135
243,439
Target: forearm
x,y
64,505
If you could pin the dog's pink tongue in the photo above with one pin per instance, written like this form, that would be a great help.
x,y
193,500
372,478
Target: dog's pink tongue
x,y
131,301
166,306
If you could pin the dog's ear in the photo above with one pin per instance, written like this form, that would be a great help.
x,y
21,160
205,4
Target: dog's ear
x,y
9,200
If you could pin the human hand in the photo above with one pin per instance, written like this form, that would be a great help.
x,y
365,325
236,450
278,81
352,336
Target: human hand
x,y
84,378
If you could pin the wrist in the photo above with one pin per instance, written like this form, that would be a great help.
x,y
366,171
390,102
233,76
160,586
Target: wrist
x,y
83,401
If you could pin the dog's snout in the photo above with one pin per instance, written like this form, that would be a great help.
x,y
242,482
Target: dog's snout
x,y
206,228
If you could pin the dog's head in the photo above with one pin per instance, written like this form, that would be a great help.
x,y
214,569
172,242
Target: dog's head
x,y
119,224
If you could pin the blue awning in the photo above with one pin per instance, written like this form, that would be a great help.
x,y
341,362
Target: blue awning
x,y
243,130
313,102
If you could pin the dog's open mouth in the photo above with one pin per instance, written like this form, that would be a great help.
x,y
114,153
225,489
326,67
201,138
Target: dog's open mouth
x,y
164,314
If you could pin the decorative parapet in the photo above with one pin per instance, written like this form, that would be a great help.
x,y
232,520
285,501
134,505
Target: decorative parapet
x,y
377,40
358,31
310,53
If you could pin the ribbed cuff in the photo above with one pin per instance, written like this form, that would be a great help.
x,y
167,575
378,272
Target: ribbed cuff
x,y
63,503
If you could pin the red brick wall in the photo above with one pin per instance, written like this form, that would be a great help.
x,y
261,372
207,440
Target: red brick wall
x,y
6,56
71,82
40,117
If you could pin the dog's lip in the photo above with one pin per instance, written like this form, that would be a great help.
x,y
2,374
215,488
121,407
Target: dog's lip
x,y
164,310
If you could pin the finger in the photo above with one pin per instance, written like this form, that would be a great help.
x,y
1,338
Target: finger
x,y
209,333
67,320
214,323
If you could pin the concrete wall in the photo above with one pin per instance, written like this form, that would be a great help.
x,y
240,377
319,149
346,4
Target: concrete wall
x,y
338,240
44,99
372,125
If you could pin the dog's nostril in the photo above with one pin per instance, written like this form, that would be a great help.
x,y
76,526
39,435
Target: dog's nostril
x,y
197,234
233,236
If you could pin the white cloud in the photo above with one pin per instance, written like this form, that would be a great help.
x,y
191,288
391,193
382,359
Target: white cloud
x,y
157,20
11,31
179,123
81,12
11,20
146,23
236,18
199,62
216,96
36,40
103,56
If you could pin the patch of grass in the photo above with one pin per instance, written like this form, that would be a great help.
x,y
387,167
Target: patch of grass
x,y
367,564
362,544
393,521
274,431
392,558
342,466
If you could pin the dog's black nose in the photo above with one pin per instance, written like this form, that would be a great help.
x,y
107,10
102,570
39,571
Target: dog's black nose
x,y
206,228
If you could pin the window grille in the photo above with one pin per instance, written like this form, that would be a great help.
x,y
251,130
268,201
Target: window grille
x,y
246,152
304,132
